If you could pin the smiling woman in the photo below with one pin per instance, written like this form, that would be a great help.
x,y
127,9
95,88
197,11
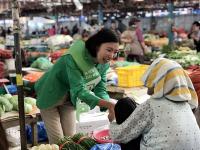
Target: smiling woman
x,y
107,52
78,75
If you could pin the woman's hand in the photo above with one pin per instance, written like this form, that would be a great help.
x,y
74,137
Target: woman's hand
x,y
111,115
110,106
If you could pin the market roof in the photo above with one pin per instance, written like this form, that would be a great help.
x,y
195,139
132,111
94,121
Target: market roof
x,y
69,7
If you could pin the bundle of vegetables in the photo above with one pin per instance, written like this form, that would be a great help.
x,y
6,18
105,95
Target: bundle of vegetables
x,y
166,49
84,140
151,56
66,143
46,147
189,60
174,55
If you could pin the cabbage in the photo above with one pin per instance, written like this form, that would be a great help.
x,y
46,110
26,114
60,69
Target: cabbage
x,y
34,148
6,103
2,109
30,100
8,96
27,108
46,147
55,147
14,102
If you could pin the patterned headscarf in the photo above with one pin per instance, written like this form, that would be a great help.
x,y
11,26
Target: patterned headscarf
x,y
169,80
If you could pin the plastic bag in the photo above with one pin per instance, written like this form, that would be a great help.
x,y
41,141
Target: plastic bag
x,y
42,63
107,146
42,135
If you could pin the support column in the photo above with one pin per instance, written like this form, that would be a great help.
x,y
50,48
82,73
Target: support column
x,y
18,66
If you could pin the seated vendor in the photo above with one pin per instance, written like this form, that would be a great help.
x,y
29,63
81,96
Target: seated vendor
x,y
165,121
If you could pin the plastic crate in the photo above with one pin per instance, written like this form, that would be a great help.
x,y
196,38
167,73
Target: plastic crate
x,y
130,76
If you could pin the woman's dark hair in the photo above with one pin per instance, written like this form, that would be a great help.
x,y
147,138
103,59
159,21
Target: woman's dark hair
x,y
133,21
3,140
101,37
123,108
196,23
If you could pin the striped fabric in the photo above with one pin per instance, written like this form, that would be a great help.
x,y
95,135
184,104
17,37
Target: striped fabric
x,y
170,80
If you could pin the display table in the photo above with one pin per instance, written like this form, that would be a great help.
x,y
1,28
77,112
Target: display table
x,y
11,119
139,94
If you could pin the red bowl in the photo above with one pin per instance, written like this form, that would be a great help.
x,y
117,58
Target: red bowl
x,y
102,136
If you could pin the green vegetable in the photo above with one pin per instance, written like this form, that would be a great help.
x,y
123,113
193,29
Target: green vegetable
x,y
6,103
27,108
30,100
2,109
42,63
67,143
8,96
14,102
166,49
84,140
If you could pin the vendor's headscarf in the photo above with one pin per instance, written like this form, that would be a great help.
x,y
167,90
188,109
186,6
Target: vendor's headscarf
x,y
169,80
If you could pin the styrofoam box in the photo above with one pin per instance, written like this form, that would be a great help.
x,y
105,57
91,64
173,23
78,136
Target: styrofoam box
x,y
90,122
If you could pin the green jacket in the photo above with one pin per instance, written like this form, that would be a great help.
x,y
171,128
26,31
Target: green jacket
x,y
66,77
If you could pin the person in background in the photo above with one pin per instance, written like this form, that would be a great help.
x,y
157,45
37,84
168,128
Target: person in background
x,y
9,31
3,139
65,31
2,32
121,26
85,35
52,31
166,120
133,49
79,75
114,28
136,23
195,34
75,29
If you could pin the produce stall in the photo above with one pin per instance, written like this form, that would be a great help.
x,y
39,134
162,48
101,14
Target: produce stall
x,y
36,52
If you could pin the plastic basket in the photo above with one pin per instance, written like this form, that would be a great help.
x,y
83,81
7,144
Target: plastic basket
x,y
99,136
130,76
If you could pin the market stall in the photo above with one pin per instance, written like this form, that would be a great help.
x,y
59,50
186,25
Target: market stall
x,y
35,46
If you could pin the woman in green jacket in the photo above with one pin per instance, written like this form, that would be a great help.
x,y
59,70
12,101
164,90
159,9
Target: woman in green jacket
x,y
80,74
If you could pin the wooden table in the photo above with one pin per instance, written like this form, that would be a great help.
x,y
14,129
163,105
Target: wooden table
x,y
137,93
11,119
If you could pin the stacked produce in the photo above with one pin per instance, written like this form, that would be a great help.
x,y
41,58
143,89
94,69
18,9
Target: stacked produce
x,y
46,147
183,55
9,103
79,142
67,143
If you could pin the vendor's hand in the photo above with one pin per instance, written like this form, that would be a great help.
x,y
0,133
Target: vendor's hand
x,y
110,106
111,115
